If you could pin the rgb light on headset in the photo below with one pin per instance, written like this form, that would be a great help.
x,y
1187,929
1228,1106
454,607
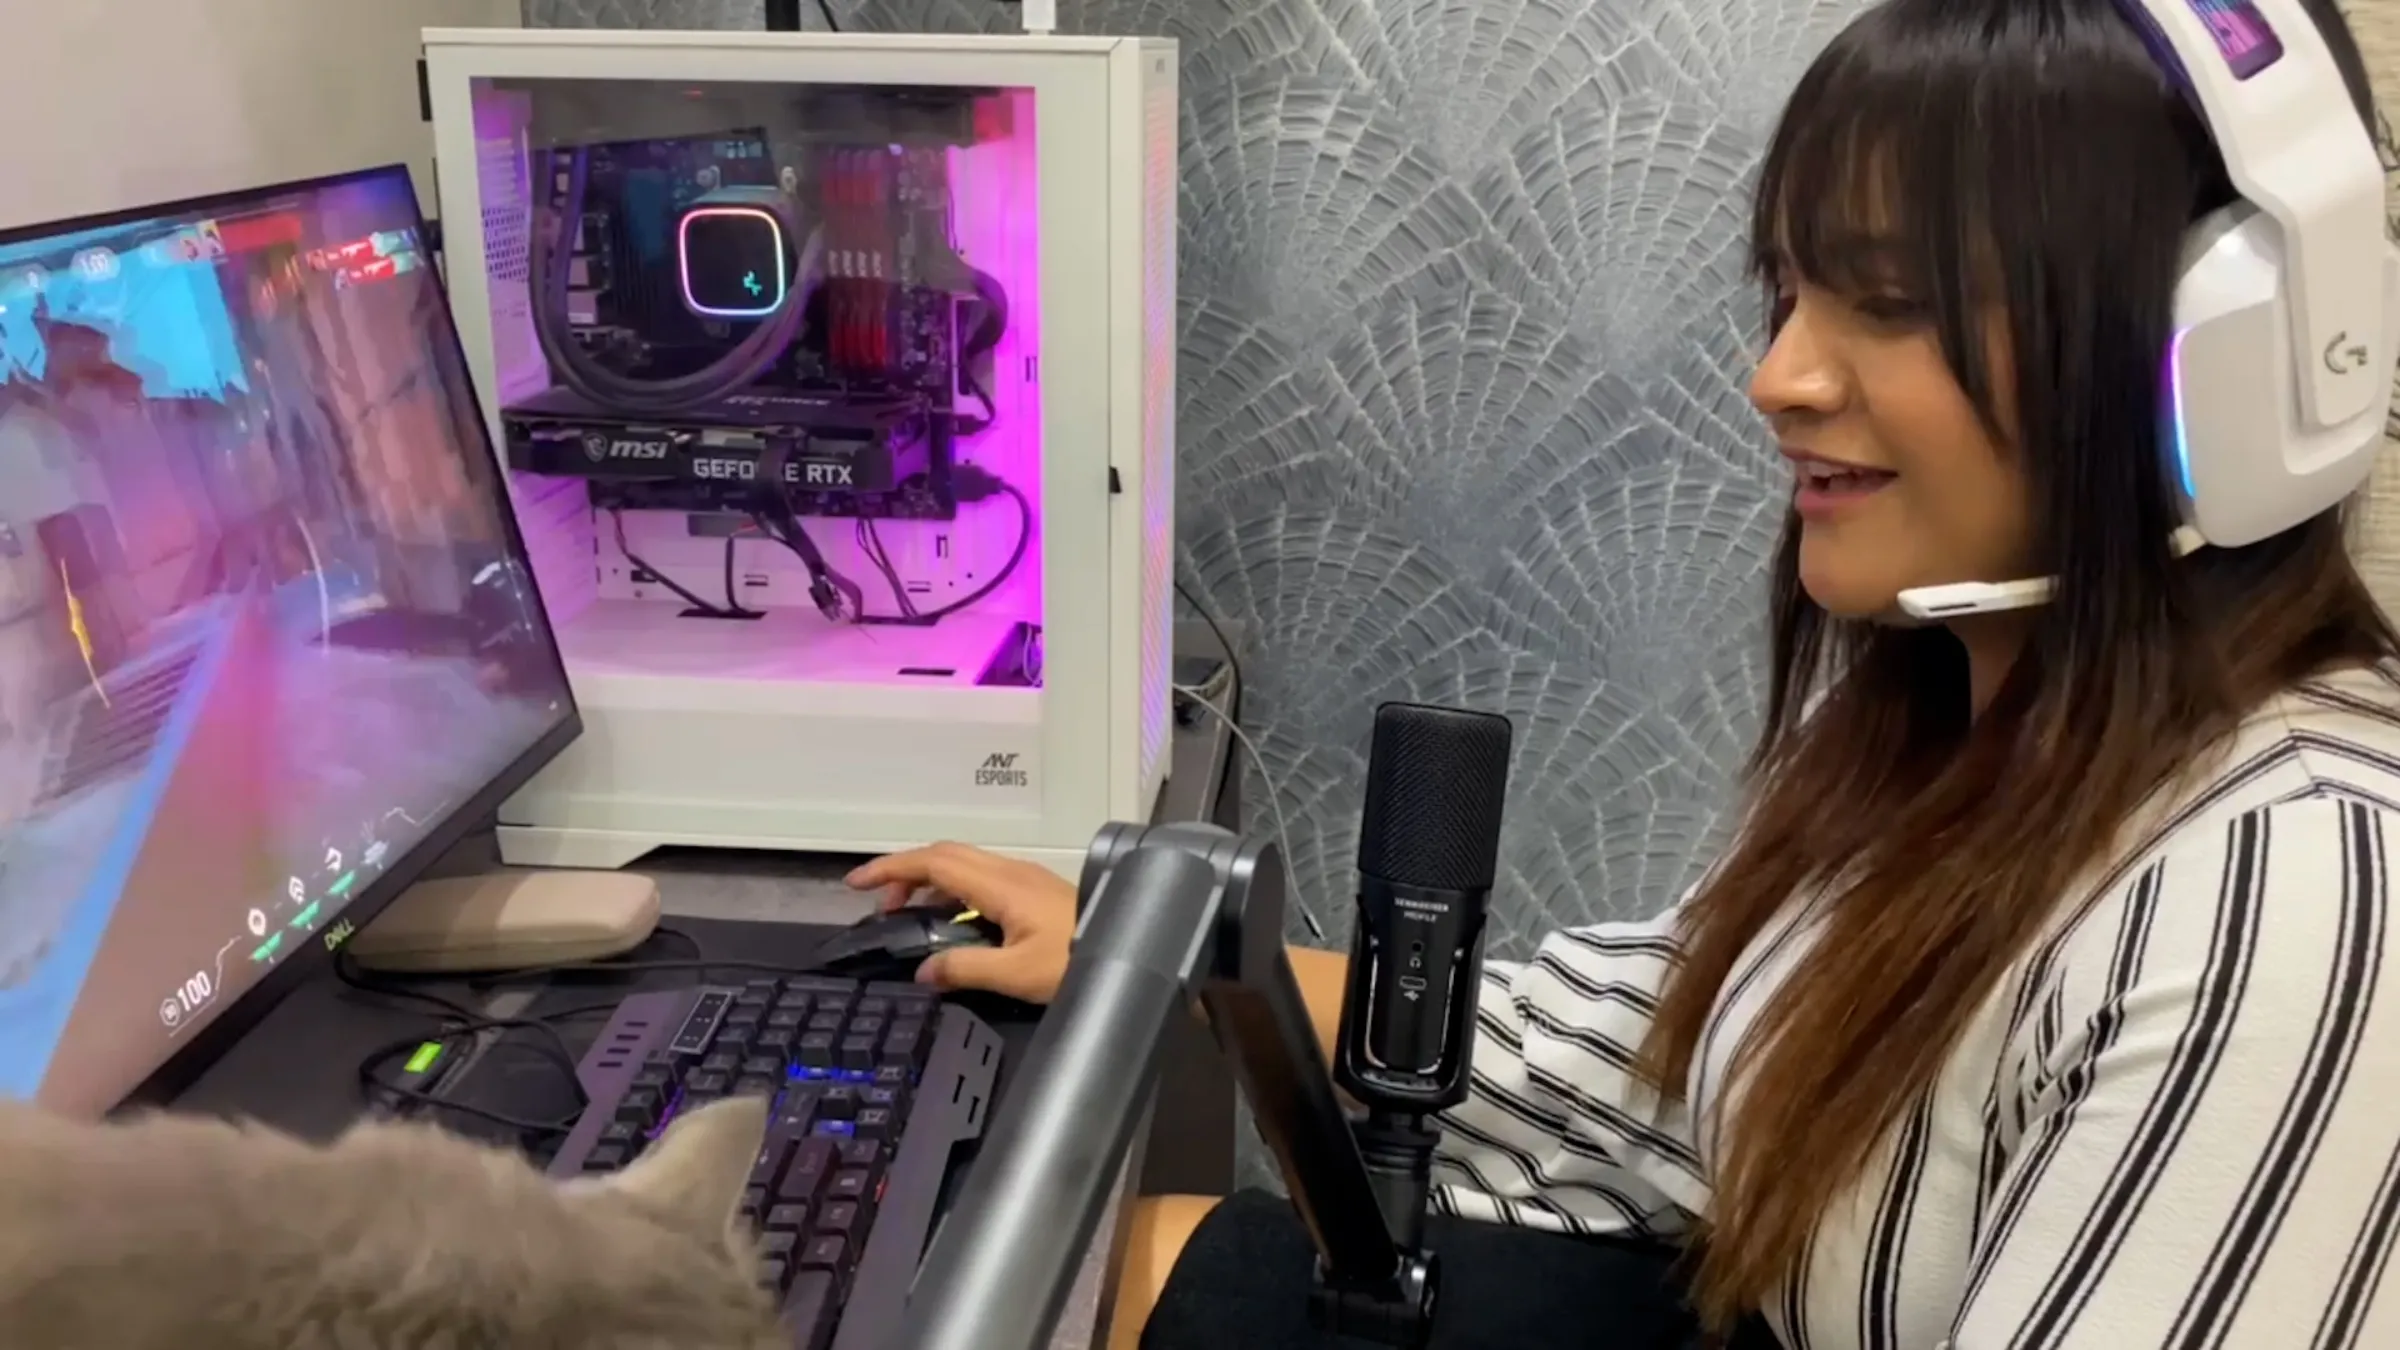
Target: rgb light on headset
x,y
738,269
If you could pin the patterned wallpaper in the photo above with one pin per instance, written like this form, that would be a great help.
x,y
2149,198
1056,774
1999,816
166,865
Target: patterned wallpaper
x,y
1464,338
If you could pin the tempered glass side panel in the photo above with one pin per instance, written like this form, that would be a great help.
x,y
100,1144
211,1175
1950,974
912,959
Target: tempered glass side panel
x,y
780,340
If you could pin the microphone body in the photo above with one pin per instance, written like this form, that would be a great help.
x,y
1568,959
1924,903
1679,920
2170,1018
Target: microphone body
x,y
1429,845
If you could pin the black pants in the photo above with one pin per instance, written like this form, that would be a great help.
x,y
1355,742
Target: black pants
x,y
1244,1282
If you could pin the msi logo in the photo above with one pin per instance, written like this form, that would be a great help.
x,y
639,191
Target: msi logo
x,y
1001,771
600,448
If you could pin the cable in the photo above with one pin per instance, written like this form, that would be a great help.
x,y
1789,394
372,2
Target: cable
x,y
1283,833
1232,657
832,25
980,485
734,608
616,519
371,1083
870,543
458,1022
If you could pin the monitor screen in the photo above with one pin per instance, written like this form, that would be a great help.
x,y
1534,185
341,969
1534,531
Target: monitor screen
x,y
268,638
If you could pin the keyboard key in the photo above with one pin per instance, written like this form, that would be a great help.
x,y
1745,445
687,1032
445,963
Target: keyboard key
x,y
839,1101
779,1246
887,1098
655,1078
771,1065
766,986
816,1051
874,1122
757,1085
754,1198
804,1180
623,1134
864,1153
797,1108
853,1185
794,1001
808,1309
827,1024
787,1219
785,1019
823,984
824,1251
606,1158
857,1053
909,1032
710,1082
894,1076
740,1017
640,1107
773,1156
840,1217
774,1041
726,1062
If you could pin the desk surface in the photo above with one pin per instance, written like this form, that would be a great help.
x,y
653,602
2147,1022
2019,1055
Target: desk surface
x,y
297,1069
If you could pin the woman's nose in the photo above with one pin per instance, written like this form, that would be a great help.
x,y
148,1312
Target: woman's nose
x,y
1801,375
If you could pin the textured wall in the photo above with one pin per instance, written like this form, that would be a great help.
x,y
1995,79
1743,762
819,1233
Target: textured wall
x,y
1464,340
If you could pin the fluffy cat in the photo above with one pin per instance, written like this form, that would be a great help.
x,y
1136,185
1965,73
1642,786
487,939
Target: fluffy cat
x,y
178,1233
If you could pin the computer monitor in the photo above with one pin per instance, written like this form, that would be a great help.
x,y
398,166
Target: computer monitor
x,y
269,641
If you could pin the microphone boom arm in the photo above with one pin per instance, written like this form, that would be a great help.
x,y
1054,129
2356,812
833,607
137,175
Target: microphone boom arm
x,y
1169,914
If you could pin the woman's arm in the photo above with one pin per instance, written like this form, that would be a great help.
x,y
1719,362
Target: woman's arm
x,y
1322,976
1559,1132
2211,1151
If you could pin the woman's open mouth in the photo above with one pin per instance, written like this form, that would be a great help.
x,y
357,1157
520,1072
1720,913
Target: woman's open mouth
x,y
1824,488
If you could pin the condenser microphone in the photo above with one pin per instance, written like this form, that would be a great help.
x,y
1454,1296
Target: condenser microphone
x,y
1428,845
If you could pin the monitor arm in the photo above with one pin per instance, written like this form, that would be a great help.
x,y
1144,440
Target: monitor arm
x,y
1169,913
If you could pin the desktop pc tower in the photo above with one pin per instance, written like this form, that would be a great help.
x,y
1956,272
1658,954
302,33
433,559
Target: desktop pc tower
x,y
835,379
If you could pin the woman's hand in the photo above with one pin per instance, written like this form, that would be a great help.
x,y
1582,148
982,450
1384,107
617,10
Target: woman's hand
x,y
1033,905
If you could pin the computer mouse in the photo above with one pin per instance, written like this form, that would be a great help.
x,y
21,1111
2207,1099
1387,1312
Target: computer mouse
x,y
891,946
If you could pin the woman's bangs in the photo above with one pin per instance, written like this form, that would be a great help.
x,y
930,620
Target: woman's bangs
x,y
1868,186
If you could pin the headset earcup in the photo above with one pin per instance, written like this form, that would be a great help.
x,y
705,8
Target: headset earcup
x,y
2232,430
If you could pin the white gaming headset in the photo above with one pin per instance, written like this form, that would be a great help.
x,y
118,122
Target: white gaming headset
x,y
2287,318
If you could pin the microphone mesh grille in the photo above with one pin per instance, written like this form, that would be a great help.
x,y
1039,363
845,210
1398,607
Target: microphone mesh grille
x,y
1437,779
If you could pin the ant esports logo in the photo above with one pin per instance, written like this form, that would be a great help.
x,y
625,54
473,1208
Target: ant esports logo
x,y
1001,771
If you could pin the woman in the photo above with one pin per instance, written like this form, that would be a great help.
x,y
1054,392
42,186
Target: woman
x,y
2036,1004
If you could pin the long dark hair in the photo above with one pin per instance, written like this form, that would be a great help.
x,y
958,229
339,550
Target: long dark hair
x,y
2030,173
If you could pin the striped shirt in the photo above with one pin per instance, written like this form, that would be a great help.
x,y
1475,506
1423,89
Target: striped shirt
x,y
2176,1123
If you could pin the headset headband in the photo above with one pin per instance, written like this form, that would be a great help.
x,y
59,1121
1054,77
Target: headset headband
x,y
2265,81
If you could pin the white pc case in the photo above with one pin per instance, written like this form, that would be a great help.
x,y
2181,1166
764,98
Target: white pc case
x,y
722,707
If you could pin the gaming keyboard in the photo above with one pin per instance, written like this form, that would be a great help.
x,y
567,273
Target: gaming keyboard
x,y
875,1085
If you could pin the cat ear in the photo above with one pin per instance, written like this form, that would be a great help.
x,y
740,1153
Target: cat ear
x,y
698,1168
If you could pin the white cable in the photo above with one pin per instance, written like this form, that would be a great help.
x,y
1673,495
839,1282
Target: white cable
x,y
1283,833
1041,17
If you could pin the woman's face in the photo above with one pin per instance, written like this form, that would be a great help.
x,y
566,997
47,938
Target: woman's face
x,y
1896,480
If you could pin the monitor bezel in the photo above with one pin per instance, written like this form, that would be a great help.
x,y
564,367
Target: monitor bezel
x,y
190,1059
